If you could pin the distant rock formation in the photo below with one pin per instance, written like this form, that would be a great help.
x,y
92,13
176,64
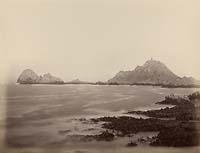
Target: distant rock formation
x,y
28,76
154,73
77,81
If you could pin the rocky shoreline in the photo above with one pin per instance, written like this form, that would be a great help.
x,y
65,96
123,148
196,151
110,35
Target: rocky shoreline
x,y
177,126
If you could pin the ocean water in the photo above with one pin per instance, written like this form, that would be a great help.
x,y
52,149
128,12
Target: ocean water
x,y
53,116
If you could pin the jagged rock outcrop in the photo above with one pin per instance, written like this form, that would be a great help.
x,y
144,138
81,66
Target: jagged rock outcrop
x,y
152,72
28,76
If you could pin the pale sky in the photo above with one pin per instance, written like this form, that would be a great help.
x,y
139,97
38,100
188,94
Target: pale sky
x,y
94,39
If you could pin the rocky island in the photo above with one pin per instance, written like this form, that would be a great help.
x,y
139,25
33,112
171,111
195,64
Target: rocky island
x,y
151,73
155,73
28,76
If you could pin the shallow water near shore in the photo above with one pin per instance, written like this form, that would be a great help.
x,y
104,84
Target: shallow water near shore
x,y
57,115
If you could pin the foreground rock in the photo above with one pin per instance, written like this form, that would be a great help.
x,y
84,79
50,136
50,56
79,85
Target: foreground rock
x,y
185,134
185,108
131,144
126,126
104,136
171,133
28,76
181,130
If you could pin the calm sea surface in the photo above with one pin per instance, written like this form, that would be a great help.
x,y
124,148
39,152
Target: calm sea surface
x,y
49,115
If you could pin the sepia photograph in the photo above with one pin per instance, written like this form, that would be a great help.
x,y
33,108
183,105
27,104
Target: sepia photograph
x,y
93,76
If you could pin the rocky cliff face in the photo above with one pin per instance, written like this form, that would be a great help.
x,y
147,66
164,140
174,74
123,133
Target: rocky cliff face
x,y
30,77
152,72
